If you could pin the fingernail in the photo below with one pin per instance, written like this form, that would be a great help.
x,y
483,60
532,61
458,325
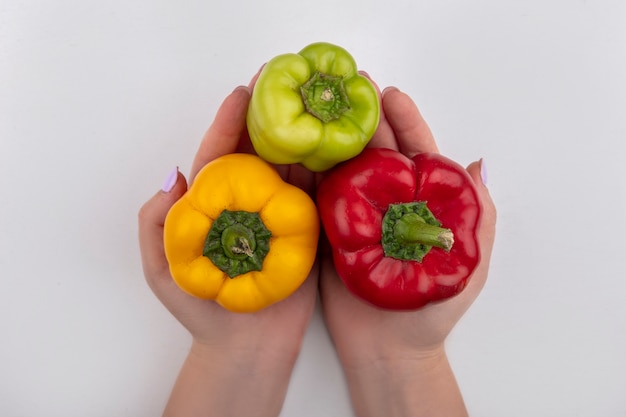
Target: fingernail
x,y
389,89
483,171
241,87
170,181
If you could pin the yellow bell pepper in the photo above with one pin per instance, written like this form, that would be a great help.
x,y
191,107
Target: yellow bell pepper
x,y
241,235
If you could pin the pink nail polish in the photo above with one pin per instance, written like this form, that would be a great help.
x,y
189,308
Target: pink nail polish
x,y
170,181
483,171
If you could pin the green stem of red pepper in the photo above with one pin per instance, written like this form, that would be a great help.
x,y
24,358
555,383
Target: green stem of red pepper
x,y
410,230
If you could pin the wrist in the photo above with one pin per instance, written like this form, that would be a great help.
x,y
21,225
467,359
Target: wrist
x,y
216,380
414,384
252,361
243,369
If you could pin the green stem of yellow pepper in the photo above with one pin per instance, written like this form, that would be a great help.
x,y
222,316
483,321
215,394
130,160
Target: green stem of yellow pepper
x,y
237,242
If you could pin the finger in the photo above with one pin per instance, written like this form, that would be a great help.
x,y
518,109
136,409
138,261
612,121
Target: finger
x,y
302,178
255,77
384,136
486,236
223,135
151,220
245,145
410,129
478,172
487,231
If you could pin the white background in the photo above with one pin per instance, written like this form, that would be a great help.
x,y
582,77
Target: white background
x,y
99,100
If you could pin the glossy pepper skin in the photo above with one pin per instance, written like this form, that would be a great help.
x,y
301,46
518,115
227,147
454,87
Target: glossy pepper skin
x,y
312,108
353,200
215,229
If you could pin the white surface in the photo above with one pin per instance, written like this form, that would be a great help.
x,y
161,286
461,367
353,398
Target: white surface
x,y
99,100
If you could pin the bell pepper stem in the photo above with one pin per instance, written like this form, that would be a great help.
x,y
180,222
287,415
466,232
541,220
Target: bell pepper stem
x,y
410,231
325,97
242,247
237,242
411,228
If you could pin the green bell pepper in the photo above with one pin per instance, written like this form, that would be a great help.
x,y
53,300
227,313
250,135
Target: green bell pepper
x,y
312,108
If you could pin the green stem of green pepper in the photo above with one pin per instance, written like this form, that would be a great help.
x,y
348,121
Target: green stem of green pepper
x,y
325,97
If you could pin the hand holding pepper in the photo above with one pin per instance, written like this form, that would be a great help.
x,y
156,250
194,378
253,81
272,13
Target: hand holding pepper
x,y
239,364
392,358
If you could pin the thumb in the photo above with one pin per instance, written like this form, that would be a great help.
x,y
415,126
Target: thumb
x,y
151,220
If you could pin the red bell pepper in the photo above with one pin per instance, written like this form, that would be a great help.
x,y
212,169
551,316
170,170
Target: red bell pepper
x,y
403,231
